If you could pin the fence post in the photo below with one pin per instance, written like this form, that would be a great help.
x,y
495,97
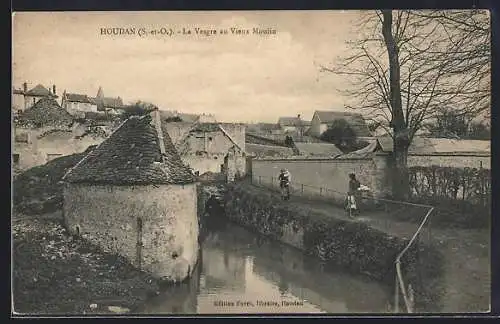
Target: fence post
x,y
321,191
302,188
396,295
260,179
272,182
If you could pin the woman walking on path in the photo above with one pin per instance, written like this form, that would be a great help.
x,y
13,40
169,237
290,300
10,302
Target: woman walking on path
x,y
353,196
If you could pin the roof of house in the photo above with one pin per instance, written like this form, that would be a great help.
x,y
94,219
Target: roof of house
x,y
75,97
259,150
108,102
318,149
46,112
293,121
422,145
132,155
357,121
40,91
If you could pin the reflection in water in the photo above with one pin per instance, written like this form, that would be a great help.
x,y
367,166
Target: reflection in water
x,y
241,272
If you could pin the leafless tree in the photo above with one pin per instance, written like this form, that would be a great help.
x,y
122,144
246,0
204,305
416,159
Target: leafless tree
x,y
407,64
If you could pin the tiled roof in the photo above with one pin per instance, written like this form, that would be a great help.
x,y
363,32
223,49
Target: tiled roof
x,y
132,156
75,97
318,149
258,150
46,112
112,102
423,145
292,121
40,91
356,121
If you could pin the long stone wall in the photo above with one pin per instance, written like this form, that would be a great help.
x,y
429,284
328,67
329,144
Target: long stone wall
x,y
315,176
111,217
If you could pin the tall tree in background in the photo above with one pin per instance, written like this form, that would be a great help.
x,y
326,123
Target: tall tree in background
x,y
407,64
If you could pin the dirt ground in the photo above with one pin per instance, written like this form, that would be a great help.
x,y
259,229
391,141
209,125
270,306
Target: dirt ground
x,y
56,273
467,280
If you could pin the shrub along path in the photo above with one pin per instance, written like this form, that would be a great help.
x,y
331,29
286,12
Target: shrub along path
x,y
467,280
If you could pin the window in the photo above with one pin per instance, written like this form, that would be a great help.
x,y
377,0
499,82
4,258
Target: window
x,y
15,159
210,138
215,157
50,157
19,111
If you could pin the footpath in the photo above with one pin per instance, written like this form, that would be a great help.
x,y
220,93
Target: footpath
x,y
467,278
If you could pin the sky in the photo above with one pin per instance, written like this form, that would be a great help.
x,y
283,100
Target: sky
x,y
238,78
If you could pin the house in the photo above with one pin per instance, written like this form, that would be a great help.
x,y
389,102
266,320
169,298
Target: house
x,y
210,147
46,131
323,119
23,99
17,102
294,125
111,105
77,104
132,195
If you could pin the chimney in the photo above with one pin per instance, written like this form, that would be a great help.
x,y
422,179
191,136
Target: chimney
x,y
54,89
25,87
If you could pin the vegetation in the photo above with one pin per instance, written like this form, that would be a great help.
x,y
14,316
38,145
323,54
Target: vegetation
x,y
343,136
450,123
462,196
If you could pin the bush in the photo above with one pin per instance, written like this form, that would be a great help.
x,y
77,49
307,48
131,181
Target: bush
x,y
462,196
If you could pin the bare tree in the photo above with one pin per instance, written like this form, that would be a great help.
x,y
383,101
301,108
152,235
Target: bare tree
x,y
404,66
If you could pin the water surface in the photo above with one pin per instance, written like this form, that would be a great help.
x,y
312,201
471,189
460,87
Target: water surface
x,y
241,272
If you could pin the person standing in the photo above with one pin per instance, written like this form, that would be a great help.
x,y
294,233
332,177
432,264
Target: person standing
x,y
284,179
353,196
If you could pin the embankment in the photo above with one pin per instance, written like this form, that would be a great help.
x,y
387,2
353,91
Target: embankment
x,y
342,243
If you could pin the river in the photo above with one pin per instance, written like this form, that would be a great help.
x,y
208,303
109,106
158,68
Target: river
x,y
241,272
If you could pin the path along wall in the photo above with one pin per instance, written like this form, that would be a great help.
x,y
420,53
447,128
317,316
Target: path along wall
x,y
331,175
351,245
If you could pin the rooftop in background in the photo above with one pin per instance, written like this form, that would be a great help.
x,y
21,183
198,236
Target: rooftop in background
x,y
40,91
132,155
293,121
318,149
75,97
423,145
46,112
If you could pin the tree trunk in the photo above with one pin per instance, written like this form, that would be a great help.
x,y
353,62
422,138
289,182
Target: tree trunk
x,y
401,135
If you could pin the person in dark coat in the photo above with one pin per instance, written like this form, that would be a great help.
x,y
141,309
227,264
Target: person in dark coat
x,y
353,195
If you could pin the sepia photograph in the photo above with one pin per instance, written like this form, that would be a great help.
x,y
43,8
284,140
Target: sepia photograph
x,y
330,162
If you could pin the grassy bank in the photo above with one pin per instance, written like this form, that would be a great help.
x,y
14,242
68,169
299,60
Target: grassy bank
x,y
354,246
56,273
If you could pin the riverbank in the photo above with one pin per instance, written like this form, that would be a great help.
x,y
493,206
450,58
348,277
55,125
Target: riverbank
x,y
339,241
55,273
465,281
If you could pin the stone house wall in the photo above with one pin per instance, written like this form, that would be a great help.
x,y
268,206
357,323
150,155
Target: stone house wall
x,y
32,147
110,216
